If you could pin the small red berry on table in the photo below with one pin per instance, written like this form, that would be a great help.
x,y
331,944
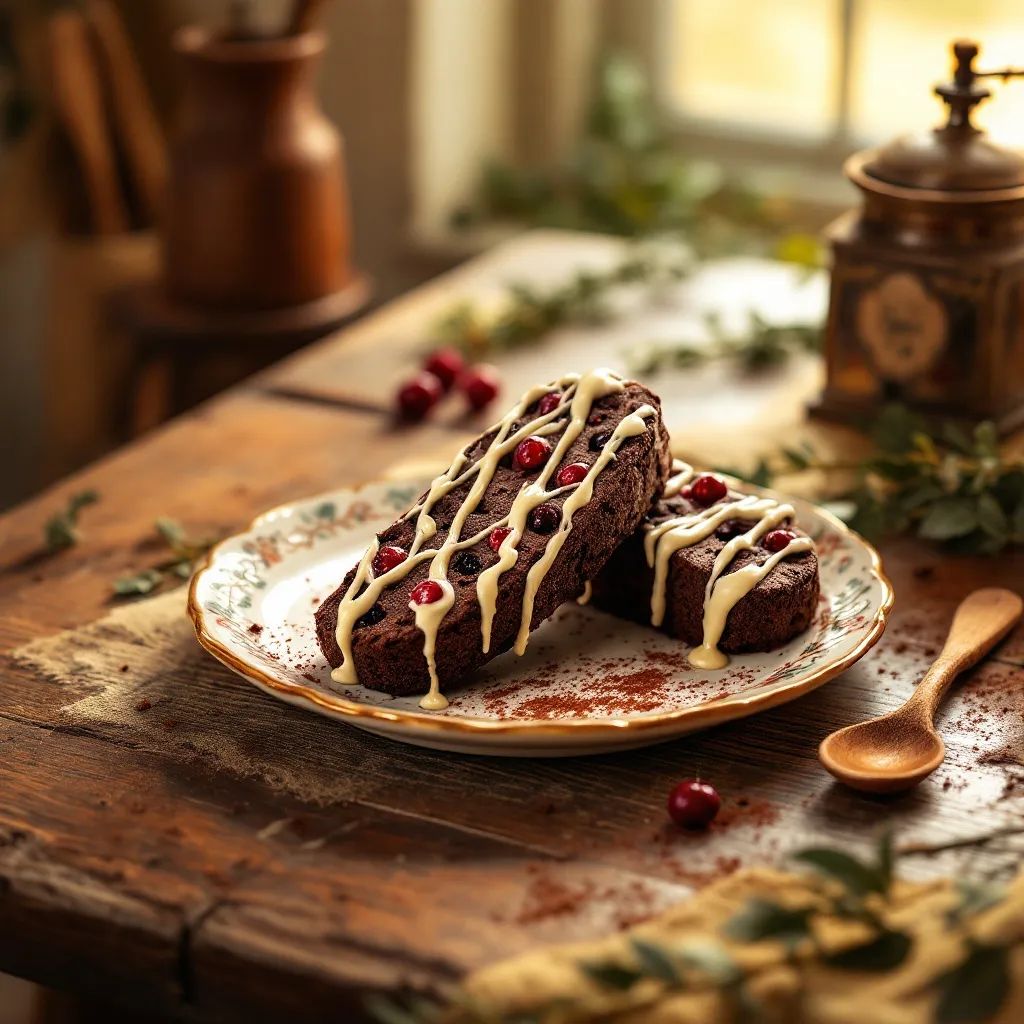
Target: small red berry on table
x,y
480,384
532,453
498,534
445,364
426,592
417,396
693,803
549,402
708,489
387,558
778,540
572,474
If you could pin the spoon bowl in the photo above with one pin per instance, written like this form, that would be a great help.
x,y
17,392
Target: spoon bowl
x,y
882,755
900,749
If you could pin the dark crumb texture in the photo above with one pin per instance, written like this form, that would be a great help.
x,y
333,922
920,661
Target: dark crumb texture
x,y
780,607
388,653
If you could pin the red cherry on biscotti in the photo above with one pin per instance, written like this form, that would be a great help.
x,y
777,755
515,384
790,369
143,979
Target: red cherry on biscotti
x,y
572,474
777,540
416,397
481,385
498,534
445,364
532,453
545,519
387,558
693,804
708,489
426,592
549,402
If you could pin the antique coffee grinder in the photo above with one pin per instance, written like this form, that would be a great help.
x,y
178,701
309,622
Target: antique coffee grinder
x,y
927,297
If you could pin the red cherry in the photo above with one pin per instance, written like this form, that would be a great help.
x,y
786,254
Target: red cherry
x,y
686,492
426,592
445,364
532,453
480,384
549,402
708,489
416,397
731,528
387,558
545,519
498,534
572,474
777,540
693,804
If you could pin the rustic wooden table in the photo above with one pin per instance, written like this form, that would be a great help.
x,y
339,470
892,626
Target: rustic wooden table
x,y
300,863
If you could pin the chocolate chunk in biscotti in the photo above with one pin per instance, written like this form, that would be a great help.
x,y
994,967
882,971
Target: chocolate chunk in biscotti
x,y
524,517
702,519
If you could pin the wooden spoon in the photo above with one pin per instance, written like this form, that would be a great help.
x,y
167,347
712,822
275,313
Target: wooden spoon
x,y
900,749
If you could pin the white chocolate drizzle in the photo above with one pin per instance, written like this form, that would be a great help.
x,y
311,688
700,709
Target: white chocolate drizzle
x,y
578,395
724,589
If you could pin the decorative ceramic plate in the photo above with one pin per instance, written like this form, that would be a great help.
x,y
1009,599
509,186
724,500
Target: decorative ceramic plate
x,y
588,682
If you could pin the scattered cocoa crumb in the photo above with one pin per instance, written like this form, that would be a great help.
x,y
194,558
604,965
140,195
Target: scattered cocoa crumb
x,y
143,705
255,629
124,668
171,723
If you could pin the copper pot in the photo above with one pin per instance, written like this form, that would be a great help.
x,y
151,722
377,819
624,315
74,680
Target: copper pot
x,y
257,213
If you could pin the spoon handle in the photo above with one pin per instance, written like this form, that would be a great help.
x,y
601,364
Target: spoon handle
x,y
983,618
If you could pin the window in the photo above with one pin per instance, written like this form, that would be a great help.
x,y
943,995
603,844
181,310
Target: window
x,y
816,77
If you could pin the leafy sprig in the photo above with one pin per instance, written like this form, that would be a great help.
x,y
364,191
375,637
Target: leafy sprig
x,y
971,991
943,483
61,529
184,555
627,176
762,346
526,313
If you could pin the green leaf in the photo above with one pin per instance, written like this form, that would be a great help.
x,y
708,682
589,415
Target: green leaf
x,y
991,517
797,459
656,962
182,569
612,975
172,532
854,875
956,437
712,961
986,439
975,990
883,952
385,1010
886,858
141,583
975,898
949,518
61,529
895,427
1018,522
764,919
326,510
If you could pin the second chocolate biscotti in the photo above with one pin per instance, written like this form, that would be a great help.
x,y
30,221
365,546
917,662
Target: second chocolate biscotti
x,y
722,570
520,521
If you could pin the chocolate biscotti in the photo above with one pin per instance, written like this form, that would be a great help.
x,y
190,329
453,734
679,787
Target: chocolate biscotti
x,y
720,570
517,525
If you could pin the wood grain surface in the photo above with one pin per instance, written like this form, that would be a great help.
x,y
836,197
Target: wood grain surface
x,y
319,863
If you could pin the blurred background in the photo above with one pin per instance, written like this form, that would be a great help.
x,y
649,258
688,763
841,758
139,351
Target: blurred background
x,y
725,122
461,121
